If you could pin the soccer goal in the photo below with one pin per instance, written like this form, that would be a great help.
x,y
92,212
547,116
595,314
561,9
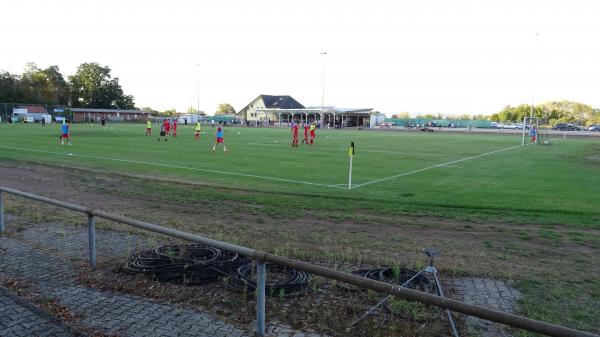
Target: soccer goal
x,y
533,130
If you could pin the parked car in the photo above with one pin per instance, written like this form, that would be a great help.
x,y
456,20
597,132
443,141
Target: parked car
x,y
594,128
566,127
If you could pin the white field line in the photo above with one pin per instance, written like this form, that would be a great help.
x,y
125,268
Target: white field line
x,y
432,167
173,166
361,150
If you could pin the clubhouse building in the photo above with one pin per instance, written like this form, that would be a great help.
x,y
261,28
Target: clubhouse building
x,y
270,110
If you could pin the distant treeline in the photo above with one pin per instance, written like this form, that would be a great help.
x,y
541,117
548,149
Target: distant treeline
x,y
550,113
92,86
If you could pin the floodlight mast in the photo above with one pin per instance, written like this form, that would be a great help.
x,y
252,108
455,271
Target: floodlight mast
x,y
198,78
537,35
323,53
535,60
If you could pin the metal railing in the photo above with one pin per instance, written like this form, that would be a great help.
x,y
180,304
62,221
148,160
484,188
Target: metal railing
x,y
262,257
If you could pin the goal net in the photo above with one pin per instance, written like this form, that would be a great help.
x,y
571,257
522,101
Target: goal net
x,y
535,131
543,133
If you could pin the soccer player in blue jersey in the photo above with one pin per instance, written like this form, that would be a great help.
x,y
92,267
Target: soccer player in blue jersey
x,y
65,133
533,134
220,139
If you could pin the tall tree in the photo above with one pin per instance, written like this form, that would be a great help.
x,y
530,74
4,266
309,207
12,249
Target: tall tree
x,y
93,87
10,89
33,84
224,108
566,111
56,90
46,86
515,114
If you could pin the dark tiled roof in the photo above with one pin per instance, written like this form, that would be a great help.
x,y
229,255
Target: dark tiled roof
x,y
274,102
281,102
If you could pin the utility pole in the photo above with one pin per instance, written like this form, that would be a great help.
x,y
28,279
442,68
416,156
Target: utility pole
x,y
323,53
537,35
198,78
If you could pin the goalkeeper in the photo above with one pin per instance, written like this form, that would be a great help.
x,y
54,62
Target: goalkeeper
x,y
533,134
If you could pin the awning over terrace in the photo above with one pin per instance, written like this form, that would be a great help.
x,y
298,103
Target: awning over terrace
x,y
327,116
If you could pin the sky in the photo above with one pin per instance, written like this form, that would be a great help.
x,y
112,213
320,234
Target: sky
x,y
435,56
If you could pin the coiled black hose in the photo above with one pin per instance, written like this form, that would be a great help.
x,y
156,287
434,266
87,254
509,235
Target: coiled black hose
x,y
280,281
388,275
196,264
187,264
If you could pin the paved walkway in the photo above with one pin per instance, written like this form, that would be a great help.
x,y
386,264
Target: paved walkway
x,y
20,318
41,256
489,293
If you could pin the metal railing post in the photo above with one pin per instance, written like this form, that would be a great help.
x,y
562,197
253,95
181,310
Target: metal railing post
x,y
92,239
1,213
261,276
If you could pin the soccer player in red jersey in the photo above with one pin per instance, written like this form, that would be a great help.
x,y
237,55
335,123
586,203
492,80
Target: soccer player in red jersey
x,y
294,134
305,127
167,127
174,128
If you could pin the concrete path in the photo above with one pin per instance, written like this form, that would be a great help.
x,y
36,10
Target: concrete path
x,y
20,318
41,256
489,293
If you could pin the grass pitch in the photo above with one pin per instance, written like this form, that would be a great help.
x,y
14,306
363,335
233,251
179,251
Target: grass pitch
x,y
455,173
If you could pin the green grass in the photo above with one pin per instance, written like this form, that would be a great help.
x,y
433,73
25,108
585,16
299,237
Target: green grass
x,y
546,184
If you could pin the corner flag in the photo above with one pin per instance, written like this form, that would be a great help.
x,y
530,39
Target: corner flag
x,y
351,155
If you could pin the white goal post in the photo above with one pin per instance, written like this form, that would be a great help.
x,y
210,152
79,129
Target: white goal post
x,y
529,123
